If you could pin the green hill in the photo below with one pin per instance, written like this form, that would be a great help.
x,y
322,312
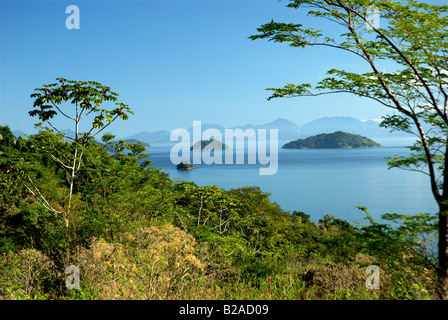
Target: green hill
x,y
184,166
337,140
209,145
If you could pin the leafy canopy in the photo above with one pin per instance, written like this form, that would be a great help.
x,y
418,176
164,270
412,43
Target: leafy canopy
x,y
86,96
410,38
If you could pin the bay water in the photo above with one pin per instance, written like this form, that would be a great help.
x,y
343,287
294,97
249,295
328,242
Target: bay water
x,y
320,181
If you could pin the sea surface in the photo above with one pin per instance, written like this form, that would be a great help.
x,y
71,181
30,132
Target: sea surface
x,y
320,181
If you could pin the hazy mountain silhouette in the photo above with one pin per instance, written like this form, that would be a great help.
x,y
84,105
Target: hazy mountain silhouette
x,y
160,136
68,133
288,130
367,128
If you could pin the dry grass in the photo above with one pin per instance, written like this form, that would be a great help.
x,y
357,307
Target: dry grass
x,y
328,280
26,274
156,263
163,263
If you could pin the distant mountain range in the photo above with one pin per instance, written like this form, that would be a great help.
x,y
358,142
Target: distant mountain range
x,y
369,128
68,132
288,130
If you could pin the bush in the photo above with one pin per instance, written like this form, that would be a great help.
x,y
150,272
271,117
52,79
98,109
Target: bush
x,y
329,280
153,263
27,274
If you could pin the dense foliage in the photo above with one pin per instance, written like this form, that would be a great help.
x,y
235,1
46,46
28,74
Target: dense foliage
x,y
136,234
403,48
111,146
336,139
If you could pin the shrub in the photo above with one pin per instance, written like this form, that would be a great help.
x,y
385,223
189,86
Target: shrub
x,y
330,280
27,274
153,263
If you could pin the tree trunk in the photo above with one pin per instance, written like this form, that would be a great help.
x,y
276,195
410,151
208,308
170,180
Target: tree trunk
x,y
442,272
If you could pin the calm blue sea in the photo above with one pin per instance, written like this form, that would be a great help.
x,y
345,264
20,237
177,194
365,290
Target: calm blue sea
x,y
319,182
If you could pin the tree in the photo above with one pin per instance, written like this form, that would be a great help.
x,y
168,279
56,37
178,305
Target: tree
x,y
86,98
6,137
412,36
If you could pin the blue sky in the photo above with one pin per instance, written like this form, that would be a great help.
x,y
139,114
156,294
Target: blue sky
x,y
172,62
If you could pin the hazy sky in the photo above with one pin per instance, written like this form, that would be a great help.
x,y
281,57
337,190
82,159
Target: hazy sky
x,y
172,62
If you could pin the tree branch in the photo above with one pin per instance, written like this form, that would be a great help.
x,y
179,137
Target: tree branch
x,y
56,106
40,197
59,161
402,55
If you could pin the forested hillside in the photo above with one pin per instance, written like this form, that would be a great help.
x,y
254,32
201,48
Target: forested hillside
x,y
136,234
336,139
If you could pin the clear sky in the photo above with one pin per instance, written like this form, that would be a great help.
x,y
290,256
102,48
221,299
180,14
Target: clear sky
x,y
172,62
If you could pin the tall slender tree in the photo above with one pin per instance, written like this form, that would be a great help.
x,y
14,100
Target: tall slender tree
x,y
411,36
75,100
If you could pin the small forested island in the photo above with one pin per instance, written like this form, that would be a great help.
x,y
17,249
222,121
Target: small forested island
x,y
209,145
185,166
338,139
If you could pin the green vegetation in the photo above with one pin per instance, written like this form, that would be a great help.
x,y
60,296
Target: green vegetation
x,y
185,166
412,36
111,146
337,139
209,145
136,234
